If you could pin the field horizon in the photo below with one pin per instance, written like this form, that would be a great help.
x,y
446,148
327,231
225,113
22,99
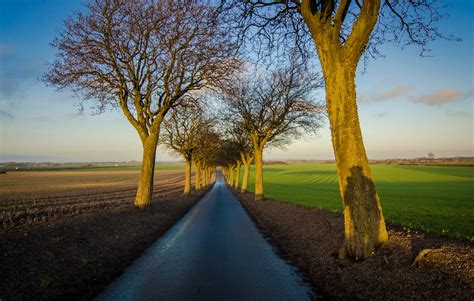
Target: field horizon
x,y
434,199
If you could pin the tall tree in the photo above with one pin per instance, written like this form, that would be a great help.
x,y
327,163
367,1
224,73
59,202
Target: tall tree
x,y
342,31
144,56
183,131
273,107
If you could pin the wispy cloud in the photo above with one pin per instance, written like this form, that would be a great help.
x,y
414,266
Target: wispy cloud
x,y
5,115
397,91
439,97
433,98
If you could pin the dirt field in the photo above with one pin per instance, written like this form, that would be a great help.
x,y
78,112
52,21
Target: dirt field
x,y
28,198
311,238
68,234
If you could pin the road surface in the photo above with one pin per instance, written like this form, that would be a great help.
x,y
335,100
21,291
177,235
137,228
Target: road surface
x,y
214,252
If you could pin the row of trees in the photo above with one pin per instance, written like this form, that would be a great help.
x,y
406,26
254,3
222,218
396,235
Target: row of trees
x,y
191,134
268,109
149,57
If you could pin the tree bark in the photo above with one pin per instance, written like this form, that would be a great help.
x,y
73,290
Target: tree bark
x,y
230,181
245,178
197,179
258,173
204,177
210,175
246,161
364,225
144,194
237,176
187,175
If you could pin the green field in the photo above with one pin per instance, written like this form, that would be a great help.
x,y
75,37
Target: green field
x,y
429,198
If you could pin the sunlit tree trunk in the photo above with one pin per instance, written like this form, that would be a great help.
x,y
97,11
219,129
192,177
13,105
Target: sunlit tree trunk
x,y
258,173
144,194
245,178
187,175
237,175
364,225
197,176
211,176
363,218
230,181
204,177
247,161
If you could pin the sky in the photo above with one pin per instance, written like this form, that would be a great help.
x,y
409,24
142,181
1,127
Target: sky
x,y
408,105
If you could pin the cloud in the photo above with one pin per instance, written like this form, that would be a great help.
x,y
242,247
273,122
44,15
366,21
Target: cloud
x,y
381,115
5,115
395,92
439,97
434,98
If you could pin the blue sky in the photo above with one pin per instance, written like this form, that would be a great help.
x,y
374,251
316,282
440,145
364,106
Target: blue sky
x,y
408,105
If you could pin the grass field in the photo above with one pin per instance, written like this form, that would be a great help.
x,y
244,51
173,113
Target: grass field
x,y
429,198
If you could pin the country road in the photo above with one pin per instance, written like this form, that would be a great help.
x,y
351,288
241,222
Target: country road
x,y
215,252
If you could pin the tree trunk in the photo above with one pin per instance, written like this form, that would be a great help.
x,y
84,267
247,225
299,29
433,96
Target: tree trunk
x,y
258,173
364,225
145,184
231,176
237,176
187,176
210,175
245,178
197,177
204,177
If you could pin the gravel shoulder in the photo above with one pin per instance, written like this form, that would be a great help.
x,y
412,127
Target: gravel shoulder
x,y
310,239
73,258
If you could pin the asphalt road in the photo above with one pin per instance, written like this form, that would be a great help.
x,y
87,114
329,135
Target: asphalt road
x,y
214,252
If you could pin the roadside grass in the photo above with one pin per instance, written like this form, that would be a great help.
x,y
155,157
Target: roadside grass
x,y
429,198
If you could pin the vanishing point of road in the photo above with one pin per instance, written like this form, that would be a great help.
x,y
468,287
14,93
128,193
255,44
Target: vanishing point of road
x,y
215,252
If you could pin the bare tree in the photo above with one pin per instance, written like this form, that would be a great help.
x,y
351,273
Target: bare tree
x,y
242,140
183,131
343,31
146,56
274,107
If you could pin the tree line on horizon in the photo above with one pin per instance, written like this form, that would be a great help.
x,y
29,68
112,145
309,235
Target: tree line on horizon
x,y
259,59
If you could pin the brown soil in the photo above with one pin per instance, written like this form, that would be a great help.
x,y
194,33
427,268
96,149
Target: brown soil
x,y
29,198
73,256
310,238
